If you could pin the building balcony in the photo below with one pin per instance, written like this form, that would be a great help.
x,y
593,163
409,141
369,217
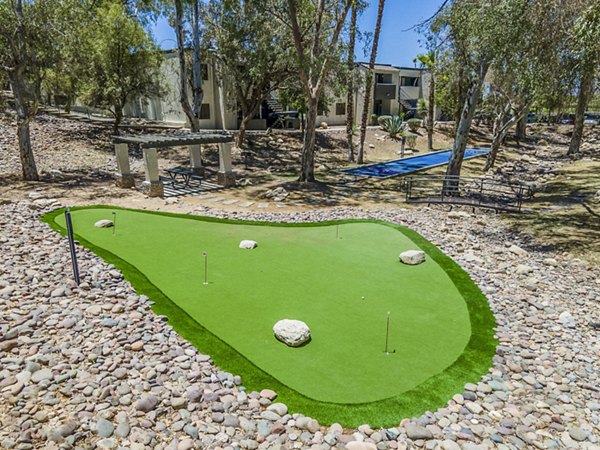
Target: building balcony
x,y
385,91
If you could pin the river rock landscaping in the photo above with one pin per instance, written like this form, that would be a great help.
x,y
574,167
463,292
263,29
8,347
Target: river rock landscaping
x,y
91,366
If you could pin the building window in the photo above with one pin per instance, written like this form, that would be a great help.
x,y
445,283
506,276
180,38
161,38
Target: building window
x,y
383,78
204,111
409,81
340,109
204,71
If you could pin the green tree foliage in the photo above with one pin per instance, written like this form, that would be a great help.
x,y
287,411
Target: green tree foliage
x,y
124,61
476,35
29,43
529,70
252,52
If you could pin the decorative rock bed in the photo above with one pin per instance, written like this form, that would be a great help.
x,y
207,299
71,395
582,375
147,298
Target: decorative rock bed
x,y
91,366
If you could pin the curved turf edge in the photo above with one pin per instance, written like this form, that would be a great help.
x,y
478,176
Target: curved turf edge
x,y
434,393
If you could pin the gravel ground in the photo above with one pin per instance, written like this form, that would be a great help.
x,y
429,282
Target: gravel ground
x,y
90,366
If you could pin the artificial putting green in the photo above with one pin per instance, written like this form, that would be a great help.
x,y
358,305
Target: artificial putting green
x,y
342,279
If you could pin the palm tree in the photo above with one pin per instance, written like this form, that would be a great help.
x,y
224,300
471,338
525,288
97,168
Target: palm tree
x,y
350,97
369,84
427,60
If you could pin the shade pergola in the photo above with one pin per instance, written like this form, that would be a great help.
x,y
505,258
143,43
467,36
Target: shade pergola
x,y
150,143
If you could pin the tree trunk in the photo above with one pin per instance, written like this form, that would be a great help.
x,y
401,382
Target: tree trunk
x,y
350,96
25,151
242,132
585,92
369,84
431,114
28,165
118,119
500,131
521,130
307,170
464,125
197,92
183,94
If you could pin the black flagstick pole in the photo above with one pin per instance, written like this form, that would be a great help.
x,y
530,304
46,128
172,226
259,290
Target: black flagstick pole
x,y
387,334
72,245
114,223
205,267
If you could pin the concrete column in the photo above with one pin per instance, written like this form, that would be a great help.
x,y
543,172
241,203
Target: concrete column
x,y
225,177
124,177
196,159
153,187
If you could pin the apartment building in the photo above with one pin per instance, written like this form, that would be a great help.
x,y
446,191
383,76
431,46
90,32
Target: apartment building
x,y
395,89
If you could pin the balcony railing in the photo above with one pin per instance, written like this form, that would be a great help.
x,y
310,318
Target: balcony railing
x,y
385,91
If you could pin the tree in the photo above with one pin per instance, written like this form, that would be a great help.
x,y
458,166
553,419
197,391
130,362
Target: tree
x,y
427,60
192,111
316,26
252,52
477,33
29,43
369,84
529,70
125,62
586,37
350,88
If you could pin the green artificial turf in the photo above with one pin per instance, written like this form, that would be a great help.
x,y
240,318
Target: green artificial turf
x,y
342,287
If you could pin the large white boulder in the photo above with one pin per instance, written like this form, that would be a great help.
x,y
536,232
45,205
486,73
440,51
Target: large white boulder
x,y
292,332
248,244
412,257
104,223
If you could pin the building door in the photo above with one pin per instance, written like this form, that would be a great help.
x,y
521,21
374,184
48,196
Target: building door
x,y
378,107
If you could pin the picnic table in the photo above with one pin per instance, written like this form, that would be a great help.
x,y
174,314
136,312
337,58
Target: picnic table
x,y
184,173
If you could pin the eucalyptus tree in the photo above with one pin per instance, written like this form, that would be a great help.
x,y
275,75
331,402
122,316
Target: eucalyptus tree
x,y
185,18
252,53
478,33
32,34
316,27
369,84
124,61
586,40
529,70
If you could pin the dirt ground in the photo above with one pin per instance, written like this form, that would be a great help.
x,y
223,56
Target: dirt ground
x,y
77,165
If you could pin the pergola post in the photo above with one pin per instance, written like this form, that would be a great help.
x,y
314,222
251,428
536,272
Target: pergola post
x,y
124,177
225,177
153,187
196,159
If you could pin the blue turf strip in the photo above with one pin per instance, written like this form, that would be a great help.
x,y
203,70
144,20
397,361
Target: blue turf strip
x,y
412,164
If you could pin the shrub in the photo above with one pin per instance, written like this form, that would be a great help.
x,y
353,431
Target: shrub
x,y
414,124
411,140
393,125
374,119
382,119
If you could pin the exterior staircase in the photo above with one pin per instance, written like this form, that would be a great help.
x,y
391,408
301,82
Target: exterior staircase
x,y
273,103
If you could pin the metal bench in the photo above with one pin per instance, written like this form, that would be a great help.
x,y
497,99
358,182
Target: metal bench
x,y
184,173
